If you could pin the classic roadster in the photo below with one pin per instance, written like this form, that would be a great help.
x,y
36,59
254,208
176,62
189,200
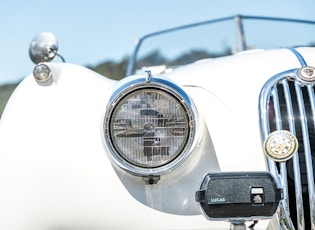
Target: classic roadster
x,y
194,137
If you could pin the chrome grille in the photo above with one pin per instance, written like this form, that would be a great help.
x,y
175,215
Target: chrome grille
x,y
287,103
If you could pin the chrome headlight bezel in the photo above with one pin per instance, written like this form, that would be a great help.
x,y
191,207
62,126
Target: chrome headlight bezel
x,y
159,85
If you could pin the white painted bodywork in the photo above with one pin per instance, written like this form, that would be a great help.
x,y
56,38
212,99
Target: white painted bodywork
x,y
55,172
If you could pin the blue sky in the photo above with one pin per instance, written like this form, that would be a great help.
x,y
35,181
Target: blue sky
x,y
93,31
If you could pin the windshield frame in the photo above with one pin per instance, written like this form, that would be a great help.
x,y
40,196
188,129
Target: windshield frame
x,y
239,27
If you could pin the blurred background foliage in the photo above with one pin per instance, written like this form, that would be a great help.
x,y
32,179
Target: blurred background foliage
x,y
111,69
117,70
5,93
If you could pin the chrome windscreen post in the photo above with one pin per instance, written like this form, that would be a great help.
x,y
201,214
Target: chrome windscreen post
x,y
240,33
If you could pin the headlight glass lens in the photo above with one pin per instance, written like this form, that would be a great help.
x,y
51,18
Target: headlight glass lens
x,y
149,127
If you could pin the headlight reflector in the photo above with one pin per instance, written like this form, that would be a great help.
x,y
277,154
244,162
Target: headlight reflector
x,y
149,126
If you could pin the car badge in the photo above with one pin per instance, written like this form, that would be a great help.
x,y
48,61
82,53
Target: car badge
x,y
307,73
280,145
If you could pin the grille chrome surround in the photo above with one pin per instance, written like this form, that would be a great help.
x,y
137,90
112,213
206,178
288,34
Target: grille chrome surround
x,y
287,102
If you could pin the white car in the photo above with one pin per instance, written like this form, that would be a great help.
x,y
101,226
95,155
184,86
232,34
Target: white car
x,y
211,139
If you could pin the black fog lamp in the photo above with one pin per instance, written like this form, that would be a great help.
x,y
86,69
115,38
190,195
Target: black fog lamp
x,y
239,196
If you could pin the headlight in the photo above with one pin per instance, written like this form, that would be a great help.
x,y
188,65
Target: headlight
x,y
149,126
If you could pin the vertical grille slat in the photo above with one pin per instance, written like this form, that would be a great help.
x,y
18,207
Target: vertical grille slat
x,y
278,124
295,159
311,94
288,103
307,151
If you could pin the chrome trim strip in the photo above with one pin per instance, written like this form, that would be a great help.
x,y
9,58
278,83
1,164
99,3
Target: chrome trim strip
x,y
298,56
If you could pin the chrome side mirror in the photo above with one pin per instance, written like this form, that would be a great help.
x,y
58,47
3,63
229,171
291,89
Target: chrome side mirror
x,y
43,48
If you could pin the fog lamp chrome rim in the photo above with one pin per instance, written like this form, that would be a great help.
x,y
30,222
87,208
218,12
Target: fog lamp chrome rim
x,y
149,127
